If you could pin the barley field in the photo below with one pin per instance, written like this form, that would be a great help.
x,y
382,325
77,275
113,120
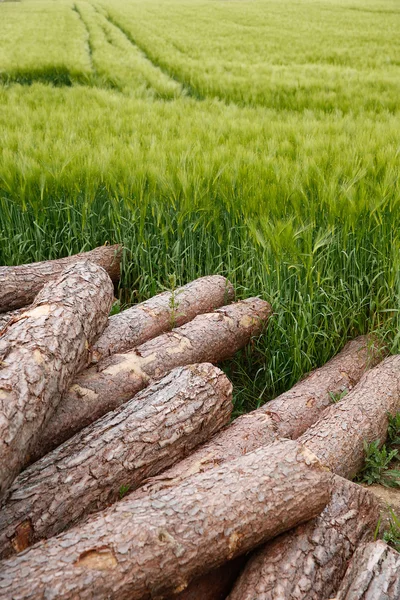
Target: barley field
x,y
259,139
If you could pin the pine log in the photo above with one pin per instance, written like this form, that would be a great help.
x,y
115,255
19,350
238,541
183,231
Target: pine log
x,y
211,337
373,574
40,353
287,416
141,438
310,561
19,285
151,547
362,416
161,313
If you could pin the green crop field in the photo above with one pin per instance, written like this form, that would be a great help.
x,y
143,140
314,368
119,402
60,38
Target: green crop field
x,y
259,139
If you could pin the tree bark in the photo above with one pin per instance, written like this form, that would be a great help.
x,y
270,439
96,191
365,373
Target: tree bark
x,y
211,337
40,353
373,574
149,548
286,416
338,437
309,562
161,313
139,439
19,285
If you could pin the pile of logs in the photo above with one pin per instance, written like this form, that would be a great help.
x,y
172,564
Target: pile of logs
x,y
121,475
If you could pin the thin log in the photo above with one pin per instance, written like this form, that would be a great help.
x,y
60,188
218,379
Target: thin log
x,y
151,547
40,353
310,561
161,313
211,337
373,574
19,285
159,426
287,416
362,416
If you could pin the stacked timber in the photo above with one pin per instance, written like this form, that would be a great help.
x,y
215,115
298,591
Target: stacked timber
x,y
122,477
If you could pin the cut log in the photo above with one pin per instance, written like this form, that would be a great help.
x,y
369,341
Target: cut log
x,y
161,313
211,337
373,574
362,416
286,416
139,439
309,562
149,548
19,285
40,353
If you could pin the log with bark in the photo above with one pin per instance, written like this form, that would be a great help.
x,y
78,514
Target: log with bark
x,y
40,353
141,438
362,416
211,337
151,547
309,562
373,574
19,285
287,416
161,313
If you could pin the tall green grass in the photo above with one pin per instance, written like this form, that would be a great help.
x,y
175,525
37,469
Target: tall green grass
x,y
180,144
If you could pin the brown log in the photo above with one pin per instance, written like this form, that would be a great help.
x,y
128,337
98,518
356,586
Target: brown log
x,y
141,438
40,353
161,313
309,562
19,285
211,337
286,416
362,416
151,547
373,574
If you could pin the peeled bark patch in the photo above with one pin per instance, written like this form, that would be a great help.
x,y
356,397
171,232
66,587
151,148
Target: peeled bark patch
x,y
373,574
338,437
40,353
211,337
286,416
146,435
19,285
309,562
162,541
161,313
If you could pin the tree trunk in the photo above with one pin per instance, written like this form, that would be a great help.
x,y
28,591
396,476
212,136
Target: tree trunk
x,y
115,454
309,562
286,416
338,437
152,547
211,337
161,313
19,285
373,574
40,354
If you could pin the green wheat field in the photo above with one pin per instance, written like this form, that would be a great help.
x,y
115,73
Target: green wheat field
x,y
259,139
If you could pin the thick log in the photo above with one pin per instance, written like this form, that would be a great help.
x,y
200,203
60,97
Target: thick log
x,y
152,547
362,416
141,438
309,562
211,337
161,313
287,416
40,354
373,574
19,285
